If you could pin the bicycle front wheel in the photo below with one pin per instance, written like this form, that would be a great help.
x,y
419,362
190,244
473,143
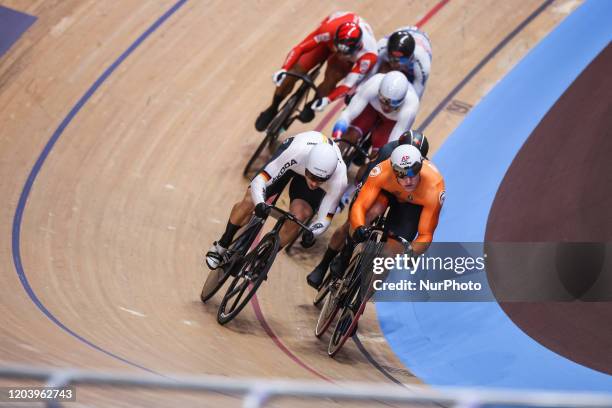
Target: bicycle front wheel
x,y
215,279
347,322
249,277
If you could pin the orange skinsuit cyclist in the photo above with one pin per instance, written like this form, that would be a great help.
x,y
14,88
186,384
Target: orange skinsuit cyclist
x,y
413,189
383,187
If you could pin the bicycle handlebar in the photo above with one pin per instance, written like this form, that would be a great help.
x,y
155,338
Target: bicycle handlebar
x,y
306,78
289,216
354,145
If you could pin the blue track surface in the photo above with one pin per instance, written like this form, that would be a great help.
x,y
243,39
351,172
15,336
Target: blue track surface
x,y
476,343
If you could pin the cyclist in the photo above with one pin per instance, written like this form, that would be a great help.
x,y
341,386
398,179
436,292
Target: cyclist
x,y
348,44
313,166
407,215
408,50
385,105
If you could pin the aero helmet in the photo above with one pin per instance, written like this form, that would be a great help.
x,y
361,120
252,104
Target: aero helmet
x,y
348,38
322,161
406,161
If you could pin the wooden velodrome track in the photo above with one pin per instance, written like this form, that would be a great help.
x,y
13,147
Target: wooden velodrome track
x,y
110,237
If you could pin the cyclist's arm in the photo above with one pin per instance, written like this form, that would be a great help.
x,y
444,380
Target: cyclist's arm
x,y
281,162
313,40
406,116
428,222
365,199
328,206
361,67
422,65
358,103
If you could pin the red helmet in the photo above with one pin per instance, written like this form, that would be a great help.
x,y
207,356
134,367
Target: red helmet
x,y
348,38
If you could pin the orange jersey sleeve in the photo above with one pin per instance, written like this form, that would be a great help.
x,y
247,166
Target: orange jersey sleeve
x,y
430,195
368,195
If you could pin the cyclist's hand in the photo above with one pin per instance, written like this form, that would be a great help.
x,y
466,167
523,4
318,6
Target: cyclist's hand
x,y
262,210
361,234
339,128
278,77
320,104
347,98
308,239
408,250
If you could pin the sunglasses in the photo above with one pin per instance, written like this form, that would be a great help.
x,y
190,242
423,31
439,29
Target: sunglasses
x,y
412,171
348,49
393,104
399,60
316,178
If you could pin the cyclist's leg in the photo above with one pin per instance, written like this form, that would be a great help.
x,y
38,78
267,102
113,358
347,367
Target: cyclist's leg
x,y
239,215
361,125
402,221
337,68
303,65
302,211
380,134
303,203
334,72
378,208
336,243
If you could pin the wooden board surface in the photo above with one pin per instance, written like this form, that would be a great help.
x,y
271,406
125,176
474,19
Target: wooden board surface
x,y
141,180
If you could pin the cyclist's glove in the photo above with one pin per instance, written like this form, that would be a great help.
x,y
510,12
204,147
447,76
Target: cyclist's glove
x,y
308,239
361,234
262,210
278,77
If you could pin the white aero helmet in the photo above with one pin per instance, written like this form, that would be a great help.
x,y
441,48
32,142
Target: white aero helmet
x,y
406,160
392,90
322,161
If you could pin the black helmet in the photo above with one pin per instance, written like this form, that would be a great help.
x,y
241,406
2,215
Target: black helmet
x,y
400,45
416,139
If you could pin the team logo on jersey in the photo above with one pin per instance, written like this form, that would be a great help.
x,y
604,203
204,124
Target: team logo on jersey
x,y
364,66
316,226
283,169
375,171
442,197
322,37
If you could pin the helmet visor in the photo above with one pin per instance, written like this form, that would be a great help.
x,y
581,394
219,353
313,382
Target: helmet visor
x,y
403,172
399,60
391,104
316,178
347,47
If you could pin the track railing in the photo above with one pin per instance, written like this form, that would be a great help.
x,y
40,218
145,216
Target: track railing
x,y
257,392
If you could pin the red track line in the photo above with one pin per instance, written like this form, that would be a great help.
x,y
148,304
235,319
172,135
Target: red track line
x,y
279,343
254,301
431,13
329,115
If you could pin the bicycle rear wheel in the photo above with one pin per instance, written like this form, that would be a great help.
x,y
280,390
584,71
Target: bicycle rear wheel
x,y
334,298
276,127
346,321
323,291
356,299
217,277
250,275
